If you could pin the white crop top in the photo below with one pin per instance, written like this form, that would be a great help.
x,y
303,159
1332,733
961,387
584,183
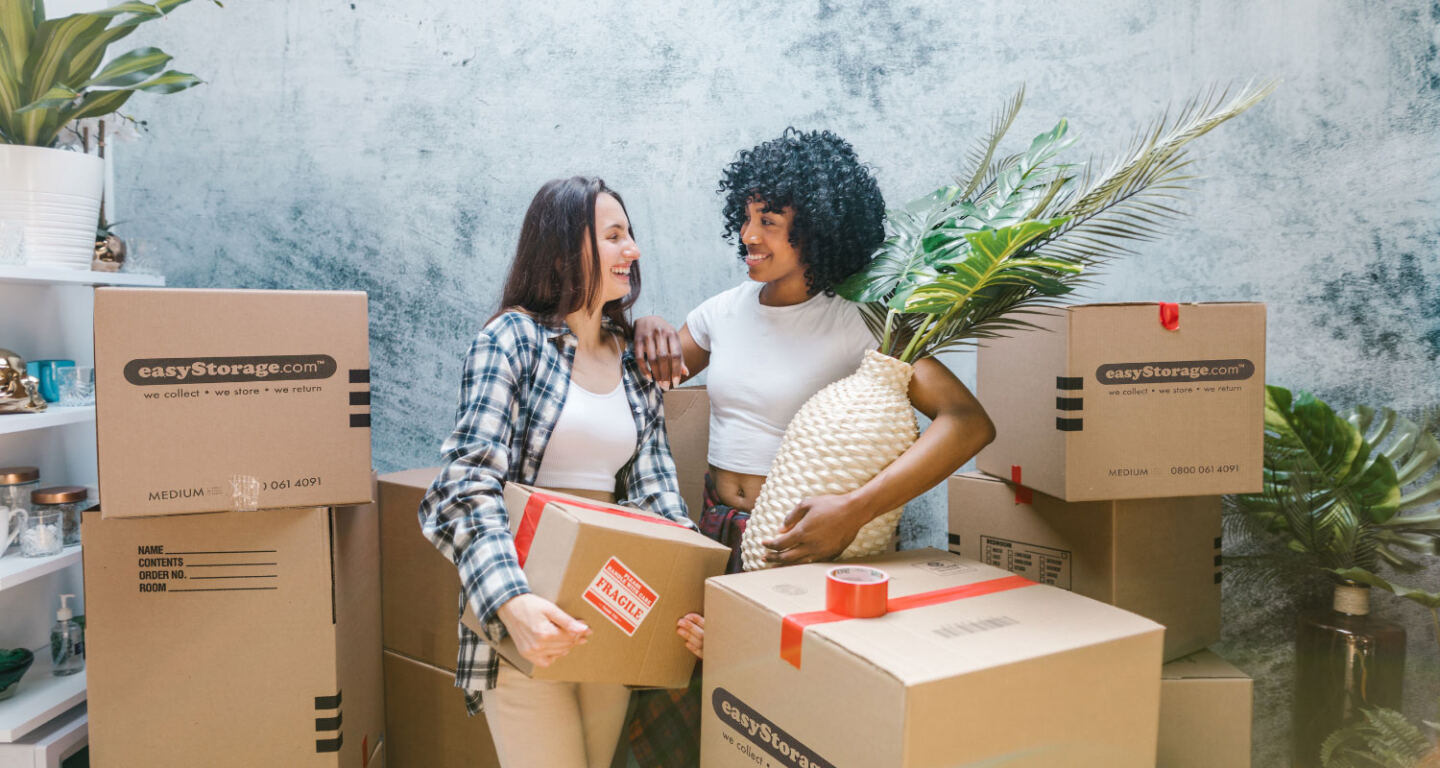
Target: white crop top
x,y
593,438
765,362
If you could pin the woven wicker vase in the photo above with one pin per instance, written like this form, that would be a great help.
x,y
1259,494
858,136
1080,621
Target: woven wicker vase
x,y
842,437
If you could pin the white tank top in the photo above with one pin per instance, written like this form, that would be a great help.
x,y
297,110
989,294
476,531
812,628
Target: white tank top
x,y
593,438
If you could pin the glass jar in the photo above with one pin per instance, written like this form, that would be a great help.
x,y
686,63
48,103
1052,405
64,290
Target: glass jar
x,y
16,483
42,534
69,501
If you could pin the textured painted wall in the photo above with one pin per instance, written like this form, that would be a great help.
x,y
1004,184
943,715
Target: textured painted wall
x,y
391,146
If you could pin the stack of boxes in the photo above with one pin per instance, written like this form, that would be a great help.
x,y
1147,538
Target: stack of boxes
x,y
233,613
1119,426
420,594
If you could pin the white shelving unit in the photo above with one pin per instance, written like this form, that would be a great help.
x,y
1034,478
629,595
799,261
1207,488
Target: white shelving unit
x,y
48,746
40,698
13,273
54,416
16,569
47,313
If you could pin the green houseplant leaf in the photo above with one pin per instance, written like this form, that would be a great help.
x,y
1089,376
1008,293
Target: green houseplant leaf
x,y
929,288
51,69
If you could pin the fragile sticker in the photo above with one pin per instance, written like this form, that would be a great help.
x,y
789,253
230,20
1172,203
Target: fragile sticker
x,y
621,596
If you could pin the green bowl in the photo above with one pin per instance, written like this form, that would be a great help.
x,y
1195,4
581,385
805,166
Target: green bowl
x,y
14,663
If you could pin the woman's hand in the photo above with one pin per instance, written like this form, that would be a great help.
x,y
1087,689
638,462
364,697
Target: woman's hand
x,y
542,632
691,629
658,351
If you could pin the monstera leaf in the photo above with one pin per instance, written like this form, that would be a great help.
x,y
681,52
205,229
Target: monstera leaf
x,y
1350,490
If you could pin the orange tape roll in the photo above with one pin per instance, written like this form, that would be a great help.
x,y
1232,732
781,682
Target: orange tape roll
x,y
857,591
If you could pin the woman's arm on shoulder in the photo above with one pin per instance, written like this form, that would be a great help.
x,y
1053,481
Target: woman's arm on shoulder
x,y
822,527
666,356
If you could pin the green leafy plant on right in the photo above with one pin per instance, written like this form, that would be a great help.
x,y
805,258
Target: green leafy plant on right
x,y
1382,738
1347,494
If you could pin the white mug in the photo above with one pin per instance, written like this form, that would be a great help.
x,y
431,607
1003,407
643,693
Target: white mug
x,y
10,526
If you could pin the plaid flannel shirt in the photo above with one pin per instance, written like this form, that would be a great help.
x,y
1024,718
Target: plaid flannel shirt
x,y
516,376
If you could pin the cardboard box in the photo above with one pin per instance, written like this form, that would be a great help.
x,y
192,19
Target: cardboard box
x,y
420,588
687,427
1159,558
377,757
210,400
628,574
1205,707
234,638
1106,403
425,721
1027,676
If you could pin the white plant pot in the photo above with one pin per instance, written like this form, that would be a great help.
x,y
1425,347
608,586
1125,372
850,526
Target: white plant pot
x,y
54,196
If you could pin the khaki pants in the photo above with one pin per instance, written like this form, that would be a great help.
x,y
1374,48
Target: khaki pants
x,y
545,724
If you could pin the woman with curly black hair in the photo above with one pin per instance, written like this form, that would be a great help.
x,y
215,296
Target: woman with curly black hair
x,y
805,214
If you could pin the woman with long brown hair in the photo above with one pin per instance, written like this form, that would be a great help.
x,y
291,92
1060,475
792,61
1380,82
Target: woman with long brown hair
x,y
552,397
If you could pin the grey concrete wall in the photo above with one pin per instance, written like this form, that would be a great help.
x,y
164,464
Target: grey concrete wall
x,y
391,146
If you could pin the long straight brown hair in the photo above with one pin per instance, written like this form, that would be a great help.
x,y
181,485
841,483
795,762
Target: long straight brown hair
x,y
547,278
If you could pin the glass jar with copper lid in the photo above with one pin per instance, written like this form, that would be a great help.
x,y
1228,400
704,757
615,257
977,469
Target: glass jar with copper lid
x,y
69,501
16,483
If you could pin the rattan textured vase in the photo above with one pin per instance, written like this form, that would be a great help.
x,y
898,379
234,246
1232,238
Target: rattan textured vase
x,y
842,437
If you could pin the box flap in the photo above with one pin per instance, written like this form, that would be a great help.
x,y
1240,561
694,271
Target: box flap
x,y
624,519
1205,665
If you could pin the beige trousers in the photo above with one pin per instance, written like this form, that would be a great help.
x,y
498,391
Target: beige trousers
x,y
545,724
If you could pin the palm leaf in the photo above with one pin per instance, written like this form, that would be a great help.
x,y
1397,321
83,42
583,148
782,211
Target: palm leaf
x,y
983,153
1133,198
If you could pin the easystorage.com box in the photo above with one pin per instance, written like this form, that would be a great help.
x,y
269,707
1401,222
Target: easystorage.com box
x,y
1159,558
234,639
211,400
627,574
1129,401
971,666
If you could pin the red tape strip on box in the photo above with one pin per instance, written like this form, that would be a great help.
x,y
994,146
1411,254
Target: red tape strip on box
x,y
792,627
535,507
1170,316
1022,494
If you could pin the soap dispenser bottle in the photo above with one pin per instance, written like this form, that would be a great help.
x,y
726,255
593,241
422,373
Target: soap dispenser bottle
x,y
67,640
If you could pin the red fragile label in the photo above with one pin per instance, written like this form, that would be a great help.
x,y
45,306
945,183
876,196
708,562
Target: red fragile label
x,y
535,508
621,596
792,627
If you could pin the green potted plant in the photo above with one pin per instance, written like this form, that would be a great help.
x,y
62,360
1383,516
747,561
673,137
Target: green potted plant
x,y
53,71
1015,234
1344,494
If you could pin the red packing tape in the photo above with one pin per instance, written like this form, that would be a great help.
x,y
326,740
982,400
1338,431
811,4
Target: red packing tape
x,y
792,627
1022,494
1170,316
535,507
857,591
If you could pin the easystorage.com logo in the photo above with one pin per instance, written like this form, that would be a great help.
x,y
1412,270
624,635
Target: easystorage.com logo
x,y
763,733
209,370
1183,370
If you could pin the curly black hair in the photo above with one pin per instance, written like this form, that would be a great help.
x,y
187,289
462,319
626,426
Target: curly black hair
x,y
839,217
